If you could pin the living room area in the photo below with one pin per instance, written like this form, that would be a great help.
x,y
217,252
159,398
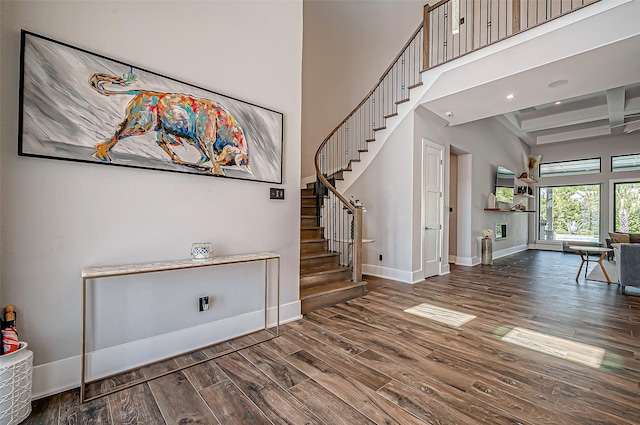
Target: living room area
x,y
587,204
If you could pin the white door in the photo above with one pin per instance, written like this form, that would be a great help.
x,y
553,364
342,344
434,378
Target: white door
x,y
432,207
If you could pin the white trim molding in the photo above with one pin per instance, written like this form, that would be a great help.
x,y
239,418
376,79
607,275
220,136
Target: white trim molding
x,y
389,273
61,375
509,251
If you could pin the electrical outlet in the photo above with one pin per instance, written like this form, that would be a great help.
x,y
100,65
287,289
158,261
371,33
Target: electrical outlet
x,y
203,304
380,257
276,193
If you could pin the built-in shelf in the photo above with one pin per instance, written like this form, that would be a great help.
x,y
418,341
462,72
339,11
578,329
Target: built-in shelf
x,y
506,211
523,195
527,180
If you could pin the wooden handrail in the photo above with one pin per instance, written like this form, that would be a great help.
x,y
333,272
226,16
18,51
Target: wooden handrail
x,y
324,142
356,210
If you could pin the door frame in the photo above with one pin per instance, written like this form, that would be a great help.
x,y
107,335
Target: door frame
x,y
441,148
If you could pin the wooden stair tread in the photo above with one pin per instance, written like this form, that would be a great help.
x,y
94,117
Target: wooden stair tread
x,y
413,86
311,227
329,288
323,270
313,240
398,102
310,255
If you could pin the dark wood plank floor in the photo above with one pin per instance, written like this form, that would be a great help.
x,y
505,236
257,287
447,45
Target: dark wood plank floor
x,y
368,362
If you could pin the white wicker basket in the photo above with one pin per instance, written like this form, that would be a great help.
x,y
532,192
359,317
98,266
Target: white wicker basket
x,y
15,385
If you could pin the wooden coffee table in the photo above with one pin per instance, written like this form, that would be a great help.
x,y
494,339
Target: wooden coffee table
x,y
585,251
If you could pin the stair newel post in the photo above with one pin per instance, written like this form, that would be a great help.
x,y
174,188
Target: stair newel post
x,y
357,243
425,34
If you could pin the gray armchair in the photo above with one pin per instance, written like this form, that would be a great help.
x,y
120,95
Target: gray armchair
x,y
629,265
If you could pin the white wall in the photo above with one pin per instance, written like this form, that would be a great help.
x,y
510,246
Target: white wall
x,y
386,188
391,192
347,47
597,147
453,204
59,217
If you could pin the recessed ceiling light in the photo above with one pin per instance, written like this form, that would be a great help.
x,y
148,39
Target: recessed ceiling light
x,y
557,83
510,96
558,102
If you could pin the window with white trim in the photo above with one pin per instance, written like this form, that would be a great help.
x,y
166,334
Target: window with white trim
x,y
567,168
569,213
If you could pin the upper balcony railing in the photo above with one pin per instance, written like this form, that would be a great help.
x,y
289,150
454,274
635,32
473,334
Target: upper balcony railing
x,y
453,28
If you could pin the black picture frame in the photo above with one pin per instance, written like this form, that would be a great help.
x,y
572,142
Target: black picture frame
x,y
77,105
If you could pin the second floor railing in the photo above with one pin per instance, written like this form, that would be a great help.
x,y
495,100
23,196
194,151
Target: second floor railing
x,y
454,28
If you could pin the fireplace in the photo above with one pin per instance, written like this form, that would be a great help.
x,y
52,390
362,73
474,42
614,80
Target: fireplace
x,y
501,231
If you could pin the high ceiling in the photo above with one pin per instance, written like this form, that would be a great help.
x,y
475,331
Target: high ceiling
x,y
585,84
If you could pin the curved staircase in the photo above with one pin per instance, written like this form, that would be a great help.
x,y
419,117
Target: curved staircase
x,y
331,226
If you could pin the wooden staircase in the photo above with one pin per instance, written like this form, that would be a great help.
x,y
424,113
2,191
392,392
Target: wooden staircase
x,y
323,281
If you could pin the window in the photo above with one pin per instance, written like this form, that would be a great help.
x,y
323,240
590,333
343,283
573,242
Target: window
x,y
566,168
625,162
626,207
570,213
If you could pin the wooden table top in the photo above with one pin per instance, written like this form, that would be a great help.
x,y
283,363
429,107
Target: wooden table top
x,y
590,248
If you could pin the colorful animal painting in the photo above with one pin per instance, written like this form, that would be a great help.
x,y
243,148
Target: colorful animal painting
x,y
176,119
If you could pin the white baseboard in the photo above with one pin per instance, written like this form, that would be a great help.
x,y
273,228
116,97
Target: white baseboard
x,y
389,273
474,261
452,259
398,275
417,276
467,261
52,378
509,251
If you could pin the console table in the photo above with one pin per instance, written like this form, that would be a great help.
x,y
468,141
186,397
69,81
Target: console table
x,y
96,273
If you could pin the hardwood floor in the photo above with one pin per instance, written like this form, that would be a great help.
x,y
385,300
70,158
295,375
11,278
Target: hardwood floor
x,y
368,362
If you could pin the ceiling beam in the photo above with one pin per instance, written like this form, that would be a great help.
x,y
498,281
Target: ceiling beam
x,y
562,117
570,134
615,103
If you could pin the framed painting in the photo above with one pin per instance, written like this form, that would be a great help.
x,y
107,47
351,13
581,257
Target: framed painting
x,y
79,106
